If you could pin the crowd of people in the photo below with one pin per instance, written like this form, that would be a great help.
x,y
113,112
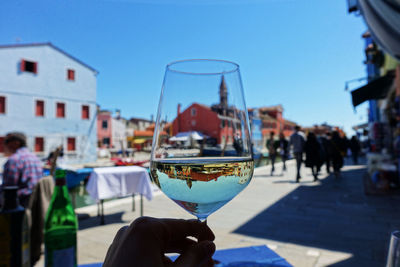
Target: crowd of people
x,y
313,150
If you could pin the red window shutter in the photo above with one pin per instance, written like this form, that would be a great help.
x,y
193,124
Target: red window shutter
x,y
71,144
1,144
35,67
71,75
2,104
39,144
60,110
22,68
39,108
85,112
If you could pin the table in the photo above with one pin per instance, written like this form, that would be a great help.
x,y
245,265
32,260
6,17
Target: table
x,y
111,182
235,257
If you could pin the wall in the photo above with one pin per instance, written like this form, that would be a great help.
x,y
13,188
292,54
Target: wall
x,y
118,133
204,120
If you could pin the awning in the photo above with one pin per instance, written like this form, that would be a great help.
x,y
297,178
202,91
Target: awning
x,y
383,20
139,141
376,89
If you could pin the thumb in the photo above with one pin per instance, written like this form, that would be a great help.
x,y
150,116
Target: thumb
x,y
196,255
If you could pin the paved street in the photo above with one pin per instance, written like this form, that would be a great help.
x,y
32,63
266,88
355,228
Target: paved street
x,y
325,223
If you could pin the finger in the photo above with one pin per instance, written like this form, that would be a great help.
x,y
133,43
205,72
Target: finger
x,y
179,229
120,233
196,255
161,234
118,237
115,245
179,246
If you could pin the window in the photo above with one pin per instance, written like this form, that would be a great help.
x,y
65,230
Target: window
x,y
71,144
222,123
2,104
106,141
193,111
70,75
104,124
193,123
1,144
85,112
39,110
39,144
60,112
28,66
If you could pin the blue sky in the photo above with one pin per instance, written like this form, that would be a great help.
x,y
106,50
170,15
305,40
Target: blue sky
x,y
291,52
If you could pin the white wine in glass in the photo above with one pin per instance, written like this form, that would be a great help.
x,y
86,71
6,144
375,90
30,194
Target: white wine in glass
x,y
202,154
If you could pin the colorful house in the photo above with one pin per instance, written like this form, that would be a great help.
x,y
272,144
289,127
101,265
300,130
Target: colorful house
x,y
111,131
50,96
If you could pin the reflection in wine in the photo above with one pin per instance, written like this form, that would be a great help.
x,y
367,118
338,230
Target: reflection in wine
x,y
202,188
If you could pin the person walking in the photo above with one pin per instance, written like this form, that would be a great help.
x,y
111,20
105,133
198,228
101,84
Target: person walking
x,y
313,153
23,168
338,152
271,146
355,148
327,146
283,150
297,143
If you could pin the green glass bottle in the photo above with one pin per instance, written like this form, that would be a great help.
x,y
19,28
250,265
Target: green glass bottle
x,y
14,231
61,227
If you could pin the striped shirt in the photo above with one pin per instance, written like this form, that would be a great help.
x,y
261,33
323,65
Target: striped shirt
x,y
22,169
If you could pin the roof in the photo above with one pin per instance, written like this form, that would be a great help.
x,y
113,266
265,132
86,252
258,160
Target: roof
x,y
134,119
146,133
52,46
271,108
289,122
143,133
201,105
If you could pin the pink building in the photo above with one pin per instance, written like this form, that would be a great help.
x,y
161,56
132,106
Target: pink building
x,y
104,133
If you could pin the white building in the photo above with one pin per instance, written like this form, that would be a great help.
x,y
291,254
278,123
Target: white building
x,y
51,97
118,133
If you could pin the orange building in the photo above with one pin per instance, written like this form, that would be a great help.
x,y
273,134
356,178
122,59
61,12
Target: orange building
x,y
273,121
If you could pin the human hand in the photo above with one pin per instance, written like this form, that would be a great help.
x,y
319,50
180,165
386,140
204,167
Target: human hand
x,y
146,240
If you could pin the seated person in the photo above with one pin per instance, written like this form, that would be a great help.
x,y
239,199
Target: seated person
x,y
23,168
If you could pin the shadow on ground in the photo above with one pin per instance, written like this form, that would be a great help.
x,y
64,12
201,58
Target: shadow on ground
x,y
334,215
89,222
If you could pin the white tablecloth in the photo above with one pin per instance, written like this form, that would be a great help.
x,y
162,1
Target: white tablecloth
x,y
113,182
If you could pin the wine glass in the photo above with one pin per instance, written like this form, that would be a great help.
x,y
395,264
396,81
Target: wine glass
x,y
202,155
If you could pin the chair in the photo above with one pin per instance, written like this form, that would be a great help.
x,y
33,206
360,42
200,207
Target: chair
x,y
37,208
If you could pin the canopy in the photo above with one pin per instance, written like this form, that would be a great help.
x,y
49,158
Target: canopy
x,y
383,20
184,136
139,141
375,89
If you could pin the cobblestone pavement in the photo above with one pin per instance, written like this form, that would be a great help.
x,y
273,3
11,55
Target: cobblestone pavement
x,y
326,223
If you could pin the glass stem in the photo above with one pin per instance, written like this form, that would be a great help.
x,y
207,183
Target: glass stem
x,y
203,220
